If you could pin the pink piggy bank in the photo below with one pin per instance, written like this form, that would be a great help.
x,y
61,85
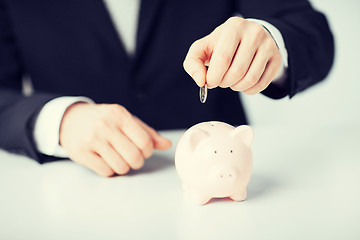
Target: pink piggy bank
x,y
214,160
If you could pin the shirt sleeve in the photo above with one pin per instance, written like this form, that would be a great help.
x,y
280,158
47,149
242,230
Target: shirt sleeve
x,y
47,125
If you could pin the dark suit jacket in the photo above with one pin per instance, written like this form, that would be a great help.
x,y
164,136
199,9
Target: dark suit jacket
x,y
70,47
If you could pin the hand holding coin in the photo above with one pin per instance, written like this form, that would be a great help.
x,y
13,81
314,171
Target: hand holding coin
x,y
240,55
203,93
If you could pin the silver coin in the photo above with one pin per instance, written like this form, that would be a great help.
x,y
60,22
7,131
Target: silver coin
x,y
203,93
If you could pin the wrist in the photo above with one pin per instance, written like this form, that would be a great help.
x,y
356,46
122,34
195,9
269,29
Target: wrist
x,y
47,125
67,115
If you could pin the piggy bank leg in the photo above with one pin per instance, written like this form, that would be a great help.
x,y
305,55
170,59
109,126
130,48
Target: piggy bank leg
x,y
239,196
198,198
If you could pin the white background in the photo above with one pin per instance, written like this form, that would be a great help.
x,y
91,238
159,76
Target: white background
x,y
336,99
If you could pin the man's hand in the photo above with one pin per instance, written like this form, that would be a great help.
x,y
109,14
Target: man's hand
x,y
240,54
107,138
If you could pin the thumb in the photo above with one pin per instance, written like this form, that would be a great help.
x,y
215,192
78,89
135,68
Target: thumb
x,y
195,60
160,142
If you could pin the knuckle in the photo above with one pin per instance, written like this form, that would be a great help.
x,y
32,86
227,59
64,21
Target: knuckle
x,y
238,87
270,46
195,45
231,19
137,160
134,155
120,113
238,72
148,152
243,86
230,79
236,21
261,85
117,110
269,52
146,143
250,80
146,147
225,59
105,172
270,42
227,81
250,92
264,83
235,88
98,134
258,31
122,170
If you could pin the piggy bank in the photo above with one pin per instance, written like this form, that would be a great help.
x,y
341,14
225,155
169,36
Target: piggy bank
x,y
214,160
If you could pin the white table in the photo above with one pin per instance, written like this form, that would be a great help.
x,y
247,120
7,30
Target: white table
x,y
305,185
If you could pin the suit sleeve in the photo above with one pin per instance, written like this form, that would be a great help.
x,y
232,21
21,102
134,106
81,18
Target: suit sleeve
x,y
17,112
307,38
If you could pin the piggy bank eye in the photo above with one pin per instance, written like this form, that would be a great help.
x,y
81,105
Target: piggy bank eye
x,y
231,151
215,151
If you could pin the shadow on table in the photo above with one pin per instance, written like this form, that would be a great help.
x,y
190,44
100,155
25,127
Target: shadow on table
x,y
260,185
154,164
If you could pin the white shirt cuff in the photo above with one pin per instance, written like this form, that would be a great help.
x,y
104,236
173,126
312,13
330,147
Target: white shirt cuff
x,y
47,125
275,33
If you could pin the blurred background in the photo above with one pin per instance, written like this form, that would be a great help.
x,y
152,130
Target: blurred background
x,y
334,101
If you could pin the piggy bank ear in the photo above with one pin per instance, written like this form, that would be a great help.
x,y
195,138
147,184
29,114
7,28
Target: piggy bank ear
x,y
196,136
244,133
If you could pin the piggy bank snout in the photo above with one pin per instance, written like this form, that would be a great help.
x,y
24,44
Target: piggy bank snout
x,y
224,173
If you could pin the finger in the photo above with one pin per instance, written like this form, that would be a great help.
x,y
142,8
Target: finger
x,y
254,73
112,158
137,134
131,154
195,60
125,122
160,142
241,62
223,54
272,68
96,164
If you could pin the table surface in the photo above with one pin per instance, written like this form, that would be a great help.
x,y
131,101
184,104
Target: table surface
x,y
305,185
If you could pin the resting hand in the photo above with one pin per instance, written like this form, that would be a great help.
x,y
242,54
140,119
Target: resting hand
x,y
239,54
107,138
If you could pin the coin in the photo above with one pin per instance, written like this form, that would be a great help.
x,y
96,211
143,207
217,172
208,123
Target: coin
x,y
203,93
